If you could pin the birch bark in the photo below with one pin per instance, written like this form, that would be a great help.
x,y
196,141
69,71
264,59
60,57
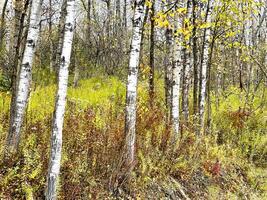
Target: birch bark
x,y
130,118
23,86
60,34
58,118
205,60
14,53
176,76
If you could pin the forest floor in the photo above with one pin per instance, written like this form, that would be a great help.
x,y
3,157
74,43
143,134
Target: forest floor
x,y
228,163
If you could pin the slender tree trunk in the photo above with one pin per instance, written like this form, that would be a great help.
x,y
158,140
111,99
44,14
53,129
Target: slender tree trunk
x,y
75,63
195,66
76,76
218,89
118,15
151,56
188,64
118,27
248,42
209,83
58,118
51,45
24,23
89,20
13,62
176,75
168,73
265,57
131,96
240,69
205,60
14,56
7,36
60,34
23,87
109,16
88,33
2,23
143,36
125,14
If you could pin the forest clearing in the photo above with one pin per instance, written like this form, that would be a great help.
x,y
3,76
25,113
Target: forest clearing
x,y
141,99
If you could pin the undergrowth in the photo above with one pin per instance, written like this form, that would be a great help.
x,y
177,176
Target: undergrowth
x,y
227,163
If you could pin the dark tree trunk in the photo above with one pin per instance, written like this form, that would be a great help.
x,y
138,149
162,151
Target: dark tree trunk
x,y
2,28
125,14
151,56
195,66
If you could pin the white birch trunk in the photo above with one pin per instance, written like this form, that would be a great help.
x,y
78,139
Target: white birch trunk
x,y
60,32
130,118
58,118
25,73
204,66
176,77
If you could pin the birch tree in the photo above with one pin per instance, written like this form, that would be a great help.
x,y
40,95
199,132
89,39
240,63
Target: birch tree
x,y
60,33
188,62
205,60
2,22
20,12
176,75
168,73
125,14
152,52
23,87
168,68
58,118
195,66
51,45
131,96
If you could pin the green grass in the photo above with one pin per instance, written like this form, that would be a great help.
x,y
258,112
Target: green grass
x,y
93,92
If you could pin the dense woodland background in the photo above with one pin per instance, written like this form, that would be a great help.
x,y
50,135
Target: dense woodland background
x,y
192,127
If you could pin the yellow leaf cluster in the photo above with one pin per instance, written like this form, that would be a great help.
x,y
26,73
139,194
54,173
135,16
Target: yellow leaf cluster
x,y
148,3
161,20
